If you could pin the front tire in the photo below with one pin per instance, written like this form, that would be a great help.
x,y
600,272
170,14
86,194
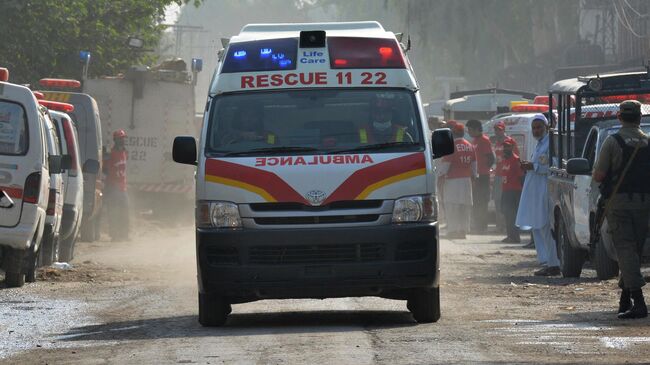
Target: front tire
x,y
48,248
571,259
90,229
424,304
213,310
66,248
14,274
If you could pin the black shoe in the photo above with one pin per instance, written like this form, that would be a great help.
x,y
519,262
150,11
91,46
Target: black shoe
x,y
625,303
541,272
548,271
638,310
530,244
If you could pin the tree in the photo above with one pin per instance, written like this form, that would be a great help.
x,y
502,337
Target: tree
x,y
42,38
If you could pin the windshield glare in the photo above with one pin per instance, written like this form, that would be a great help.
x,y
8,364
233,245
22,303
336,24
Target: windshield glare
x,y
314,122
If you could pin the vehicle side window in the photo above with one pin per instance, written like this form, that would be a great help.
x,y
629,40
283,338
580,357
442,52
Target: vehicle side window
x,y
590,148
13,129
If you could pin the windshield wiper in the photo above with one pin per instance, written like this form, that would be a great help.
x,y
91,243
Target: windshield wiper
x,y
376,147
277,149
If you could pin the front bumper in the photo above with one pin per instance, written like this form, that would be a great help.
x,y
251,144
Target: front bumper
x,y
388,261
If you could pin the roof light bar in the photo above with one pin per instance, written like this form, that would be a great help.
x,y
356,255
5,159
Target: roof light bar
x,y
4,74
354,52
529,108
61,83
58,106
39,95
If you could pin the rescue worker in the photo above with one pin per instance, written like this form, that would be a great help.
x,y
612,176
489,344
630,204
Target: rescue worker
x,y
500,136
116,193
511,190
481,185
248,126
383,129
533,206
458,169
628,210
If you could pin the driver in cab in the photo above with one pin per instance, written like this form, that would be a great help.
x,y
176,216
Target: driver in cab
x,y
383,128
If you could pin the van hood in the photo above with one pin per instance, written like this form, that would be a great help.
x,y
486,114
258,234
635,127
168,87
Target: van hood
x,y
314,179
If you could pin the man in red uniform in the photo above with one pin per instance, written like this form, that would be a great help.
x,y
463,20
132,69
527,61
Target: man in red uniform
x,y
511,190
481,185
458,170
117,199
497,141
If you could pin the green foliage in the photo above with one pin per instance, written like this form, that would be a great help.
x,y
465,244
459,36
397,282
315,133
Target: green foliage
x,y
42,38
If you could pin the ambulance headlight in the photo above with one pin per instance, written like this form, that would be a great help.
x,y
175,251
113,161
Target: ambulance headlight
x,y
217,214
419,208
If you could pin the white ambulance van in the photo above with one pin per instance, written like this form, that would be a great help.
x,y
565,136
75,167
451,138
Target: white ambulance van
x,y
314,172
24,180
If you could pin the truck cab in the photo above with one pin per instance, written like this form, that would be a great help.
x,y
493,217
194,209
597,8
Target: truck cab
x,y
298,194
585,114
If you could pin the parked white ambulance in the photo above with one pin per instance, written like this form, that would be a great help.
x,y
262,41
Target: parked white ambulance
x,y
73,183
24,183
314,172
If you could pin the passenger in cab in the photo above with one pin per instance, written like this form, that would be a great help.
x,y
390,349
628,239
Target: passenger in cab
x,y
248,126
458,170
533,206
481,186
383,128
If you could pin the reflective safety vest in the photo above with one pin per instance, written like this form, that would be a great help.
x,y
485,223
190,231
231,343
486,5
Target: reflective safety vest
x,y
270,138
397,135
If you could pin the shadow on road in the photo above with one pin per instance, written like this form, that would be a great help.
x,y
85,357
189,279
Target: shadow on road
x,y
249,324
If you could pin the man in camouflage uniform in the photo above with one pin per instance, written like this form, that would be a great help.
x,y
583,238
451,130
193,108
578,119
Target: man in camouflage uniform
x,y
629,209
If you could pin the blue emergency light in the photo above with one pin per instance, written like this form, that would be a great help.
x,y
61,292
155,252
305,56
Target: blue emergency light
x,y
197,65
262,55
84,56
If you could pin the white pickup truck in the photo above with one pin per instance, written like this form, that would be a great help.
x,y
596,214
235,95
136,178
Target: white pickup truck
x,y
575,146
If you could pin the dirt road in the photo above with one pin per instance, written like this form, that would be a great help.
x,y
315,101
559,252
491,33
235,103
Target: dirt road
x,y
135,302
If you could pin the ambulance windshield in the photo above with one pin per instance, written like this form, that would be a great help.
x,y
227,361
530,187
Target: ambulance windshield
x,y
314,122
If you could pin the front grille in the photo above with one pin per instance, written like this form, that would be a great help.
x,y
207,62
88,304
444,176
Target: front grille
x,y
346,204
317,254
411,251
222,256
334,219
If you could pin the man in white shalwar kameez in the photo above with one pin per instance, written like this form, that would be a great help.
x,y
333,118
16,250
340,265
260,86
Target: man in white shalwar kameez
x,y
533,208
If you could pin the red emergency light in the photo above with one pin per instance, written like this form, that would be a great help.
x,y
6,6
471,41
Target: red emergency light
x,y
62,83
621,98
39,95
58,106
353,52
4,74
541,99
530,108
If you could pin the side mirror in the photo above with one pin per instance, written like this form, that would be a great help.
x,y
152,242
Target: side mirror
x,y
184,150
578,166
442,142
90,167
54,163
66,162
